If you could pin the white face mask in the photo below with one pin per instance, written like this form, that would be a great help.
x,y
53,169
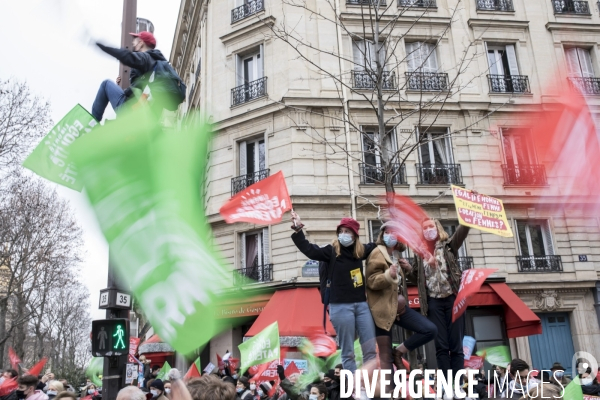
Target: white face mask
x,y
430,234
154,392
586,381
345,239
313,397
252,386
167,390
91,391
51,392
390,240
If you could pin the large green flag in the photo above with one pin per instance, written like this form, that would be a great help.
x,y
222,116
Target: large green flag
x,y
260,349
573,390
50,159
162,374
145,185
94,370
497,355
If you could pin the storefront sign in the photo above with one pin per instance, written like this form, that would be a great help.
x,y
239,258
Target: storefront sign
x,y
301,364
240,310
310,269
413,301
481,212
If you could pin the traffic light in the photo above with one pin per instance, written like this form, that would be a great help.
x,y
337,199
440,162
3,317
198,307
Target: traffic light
x,y
110,337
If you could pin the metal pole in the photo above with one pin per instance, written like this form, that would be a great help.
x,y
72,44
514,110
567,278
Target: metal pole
x,y
127,26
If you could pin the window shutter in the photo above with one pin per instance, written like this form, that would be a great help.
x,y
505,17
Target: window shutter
x,y
371,231
243,250
243,158
382,55
512,59
260,71
411,56
585,61
266,246
448,147
429,57
547,235
572,63
358,51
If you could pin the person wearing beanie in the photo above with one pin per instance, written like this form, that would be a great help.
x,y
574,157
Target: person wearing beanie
x,y
157,388
263,390
348,309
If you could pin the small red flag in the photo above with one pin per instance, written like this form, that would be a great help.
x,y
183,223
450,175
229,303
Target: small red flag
x,y
192,373
261,203
37,368
220,363
475,362
14,359
470,283
8,386
291,370
234,363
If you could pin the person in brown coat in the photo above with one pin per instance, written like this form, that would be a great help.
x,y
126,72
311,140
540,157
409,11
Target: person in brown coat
x,y
384,274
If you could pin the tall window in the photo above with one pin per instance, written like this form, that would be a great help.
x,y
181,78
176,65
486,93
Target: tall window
x,y
372,170
436,148
504,70
579,63
421,57
534,238
252,156
366,53
250,80
517,147
255,255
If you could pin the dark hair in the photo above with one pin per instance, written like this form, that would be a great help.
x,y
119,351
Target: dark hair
x,y
28,380
518,365
339,366
12,372
321,388
210,387
155,367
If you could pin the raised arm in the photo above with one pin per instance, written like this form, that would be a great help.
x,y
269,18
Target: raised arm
x,y
458,238
137,60
312,251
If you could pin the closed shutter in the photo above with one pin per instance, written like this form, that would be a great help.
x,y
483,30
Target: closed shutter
x,y
547,235
413,56
585,62
243,158
260,71
572,63
243,250
266,246
358,51
239,70
429,57
512,59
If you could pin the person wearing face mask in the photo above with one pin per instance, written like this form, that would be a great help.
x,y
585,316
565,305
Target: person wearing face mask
x,y
557,375
167,385
438,281
348,309
54,388
263,390
387,300
157,388
243,389
27,389
318,392
589,383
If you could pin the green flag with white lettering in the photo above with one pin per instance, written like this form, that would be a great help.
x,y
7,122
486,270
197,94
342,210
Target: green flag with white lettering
x,y
162,374
145,183
50,159
260,349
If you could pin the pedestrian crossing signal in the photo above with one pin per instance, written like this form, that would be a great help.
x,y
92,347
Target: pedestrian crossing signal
x,y
110,337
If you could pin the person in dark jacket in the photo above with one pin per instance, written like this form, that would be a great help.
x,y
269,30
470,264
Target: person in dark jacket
x,y
141,60
589,383
348,309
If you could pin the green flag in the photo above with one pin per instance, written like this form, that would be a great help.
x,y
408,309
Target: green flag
x,y
573,390
164,371
497,355
145,184
197,362
94,370
260,349
50,159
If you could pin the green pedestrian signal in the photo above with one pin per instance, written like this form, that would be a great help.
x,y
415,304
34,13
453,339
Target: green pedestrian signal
x,y
110,337
119,335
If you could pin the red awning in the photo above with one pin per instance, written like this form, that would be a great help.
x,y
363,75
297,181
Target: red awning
x,y
299,312
519,319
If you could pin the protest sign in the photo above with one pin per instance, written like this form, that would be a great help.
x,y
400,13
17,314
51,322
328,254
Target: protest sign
x,y
468,346
302,365
260,348
209,368
470,283
475,362
261,203
50,159
481,212
131,374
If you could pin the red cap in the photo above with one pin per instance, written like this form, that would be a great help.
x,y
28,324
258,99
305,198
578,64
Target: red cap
x,y
146,37
349,223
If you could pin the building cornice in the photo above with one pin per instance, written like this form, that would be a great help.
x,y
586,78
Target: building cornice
x,y
404,20
245,30
497,23
570,26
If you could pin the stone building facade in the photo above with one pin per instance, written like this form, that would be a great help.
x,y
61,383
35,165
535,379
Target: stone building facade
x,y
272,111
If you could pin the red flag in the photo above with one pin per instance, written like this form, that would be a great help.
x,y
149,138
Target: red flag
x,y
8,386
192,373
475,362
291,370
261,203
14,359
267,372
234,363
37,368
220,363
408,218
470,283
134,342
406,364
322,345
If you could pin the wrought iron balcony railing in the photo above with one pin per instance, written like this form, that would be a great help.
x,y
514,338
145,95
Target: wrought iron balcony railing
x,y
241,182
571,7
509,83
465,262
439,174
246,10
495,5
427,81
367,3
368,80
586,85
524,174
375,175
539,263
417,3
256,273
249,91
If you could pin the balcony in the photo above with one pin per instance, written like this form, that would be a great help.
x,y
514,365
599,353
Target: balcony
x,y
256,273
571,7
417,3
524,174
373,3
495,5
509,83
539,264
427,81
465,263
367,80
249,91
374,174
586,85
439,174
246,10
241,182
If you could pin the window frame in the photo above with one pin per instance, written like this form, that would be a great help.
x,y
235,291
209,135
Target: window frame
x,y
512,60
505,133
365,130
264,248
431,56
447,146
580,73
243,155
546,232
257,54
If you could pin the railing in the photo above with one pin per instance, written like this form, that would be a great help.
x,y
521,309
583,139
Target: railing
x,y
495,5
417,3
509,83
465,263
375,175
539,263
524,174
249,91
586,85
246,10
256,273
241,182
439,174
368,80
571,7
428,81
373,3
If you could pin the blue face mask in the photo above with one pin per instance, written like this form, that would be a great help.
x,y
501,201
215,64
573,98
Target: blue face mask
x,y
345,239
390,240
559,374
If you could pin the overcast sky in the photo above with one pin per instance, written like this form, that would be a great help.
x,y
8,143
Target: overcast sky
x,y
48,44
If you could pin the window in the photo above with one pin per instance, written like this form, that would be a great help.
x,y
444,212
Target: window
x,y
536,248
366,54
255,256
486,325
421,57
436,161
245,8
504,70
372,170
521,166
571,7
579,63
252,164
250,80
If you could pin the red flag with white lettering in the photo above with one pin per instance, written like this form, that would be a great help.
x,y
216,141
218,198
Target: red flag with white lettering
x,y
261,203
470,283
